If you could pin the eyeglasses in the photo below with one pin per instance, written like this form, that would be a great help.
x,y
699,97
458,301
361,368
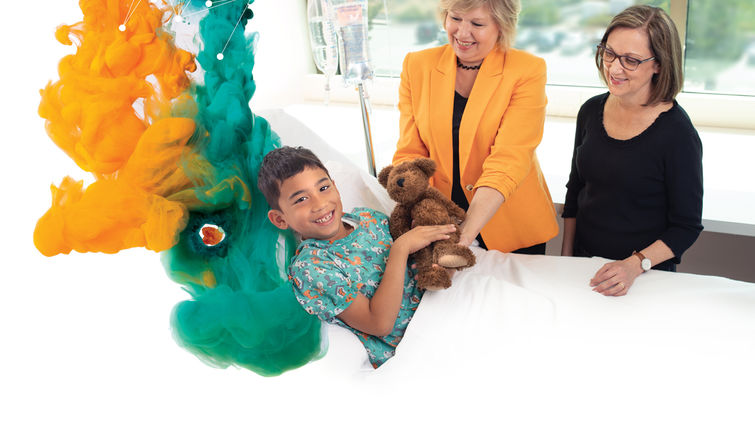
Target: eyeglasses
x,y
629,63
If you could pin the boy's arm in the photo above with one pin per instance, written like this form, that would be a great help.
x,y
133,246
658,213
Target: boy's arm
x,y
376,316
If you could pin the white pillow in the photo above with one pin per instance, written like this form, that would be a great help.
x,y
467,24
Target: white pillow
x,y
357,187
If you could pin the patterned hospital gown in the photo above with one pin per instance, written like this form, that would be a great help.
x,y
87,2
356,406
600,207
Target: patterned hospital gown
x,y
327,275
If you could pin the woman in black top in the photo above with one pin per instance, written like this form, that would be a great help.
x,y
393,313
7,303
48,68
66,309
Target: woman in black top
x,y
635,192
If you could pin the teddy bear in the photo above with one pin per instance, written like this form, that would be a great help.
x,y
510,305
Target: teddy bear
x,y
419,204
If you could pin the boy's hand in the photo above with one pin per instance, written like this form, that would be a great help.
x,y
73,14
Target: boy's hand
x,y
377,315
422,236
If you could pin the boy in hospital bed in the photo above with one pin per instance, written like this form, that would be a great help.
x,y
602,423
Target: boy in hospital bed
x,y
347,270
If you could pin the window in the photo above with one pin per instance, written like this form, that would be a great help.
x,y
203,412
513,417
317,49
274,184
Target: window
x,y
397,27
720,54
720,38
565,34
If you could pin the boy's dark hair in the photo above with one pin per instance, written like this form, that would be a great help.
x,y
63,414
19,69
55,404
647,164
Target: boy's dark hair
x,y
281,164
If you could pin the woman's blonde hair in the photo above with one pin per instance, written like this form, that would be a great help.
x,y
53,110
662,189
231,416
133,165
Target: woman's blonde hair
x,y
505,13
664,43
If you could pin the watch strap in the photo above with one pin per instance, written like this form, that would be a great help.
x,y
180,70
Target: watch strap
x,y
642,258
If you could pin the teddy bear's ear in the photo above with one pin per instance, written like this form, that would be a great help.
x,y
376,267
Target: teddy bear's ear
x,y
383,175
427,166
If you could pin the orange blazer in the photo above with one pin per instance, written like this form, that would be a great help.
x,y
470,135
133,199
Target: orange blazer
x,y
501,127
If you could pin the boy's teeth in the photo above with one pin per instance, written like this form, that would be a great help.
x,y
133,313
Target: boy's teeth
x,y
324,219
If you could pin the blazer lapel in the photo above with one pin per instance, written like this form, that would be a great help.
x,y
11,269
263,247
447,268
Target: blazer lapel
x,y
442,88
488,78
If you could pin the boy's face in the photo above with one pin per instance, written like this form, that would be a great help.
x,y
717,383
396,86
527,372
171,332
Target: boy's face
x,y
310,205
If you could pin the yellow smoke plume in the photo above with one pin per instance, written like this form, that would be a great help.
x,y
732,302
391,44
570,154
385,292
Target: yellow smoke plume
x,y
110,112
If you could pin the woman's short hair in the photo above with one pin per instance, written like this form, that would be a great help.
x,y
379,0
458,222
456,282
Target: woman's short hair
x,y
664,43
505,13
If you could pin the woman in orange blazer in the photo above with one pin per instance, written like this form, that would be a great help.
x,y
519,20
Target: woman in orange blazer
x,y
477,108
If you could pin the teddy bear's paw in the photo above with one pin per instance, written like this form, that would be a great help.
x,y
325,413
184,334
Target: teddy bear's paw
x,y
453,256
452,261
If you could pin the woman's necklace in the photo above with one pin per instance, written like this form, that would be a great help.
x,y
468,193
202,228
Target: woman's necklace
x,y
462,66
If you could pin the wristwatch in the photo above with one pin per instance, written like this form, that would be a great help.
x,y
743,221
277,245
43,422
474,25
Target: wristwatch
x,y
644,261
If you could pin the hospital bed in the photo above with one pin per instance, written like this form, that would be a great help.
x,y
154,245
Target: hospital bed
x,y
524,338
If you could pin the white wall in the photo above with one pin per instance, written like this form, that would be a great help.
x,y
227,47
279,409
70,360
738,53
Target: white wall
x,y
282,58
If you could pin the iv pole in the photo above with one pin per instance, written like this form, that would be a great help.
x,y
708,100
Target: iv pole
x,y
323,19
364,106
354,59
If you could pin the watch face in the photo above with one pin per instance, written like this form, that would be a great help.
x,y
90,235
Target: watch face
x,y
645,264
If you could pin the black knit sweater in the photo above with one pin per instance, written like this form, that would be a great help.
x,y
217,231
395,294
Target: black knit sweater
x,y
626,194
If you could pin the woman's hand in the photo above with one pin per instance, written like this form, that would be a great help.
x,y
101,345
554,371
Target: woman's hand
x,y
466,240
615,278
483,207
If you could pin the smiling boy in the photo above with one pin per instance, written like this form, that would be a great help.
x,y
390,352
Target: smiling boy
x,y
347,270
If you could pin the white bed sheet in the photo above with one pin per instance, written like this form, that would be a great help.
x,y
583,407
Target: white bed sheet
x,y
524,338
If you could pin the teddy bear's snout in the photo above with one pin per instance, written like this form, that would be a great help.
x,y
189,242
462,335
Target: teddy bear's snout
x,y
400,182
